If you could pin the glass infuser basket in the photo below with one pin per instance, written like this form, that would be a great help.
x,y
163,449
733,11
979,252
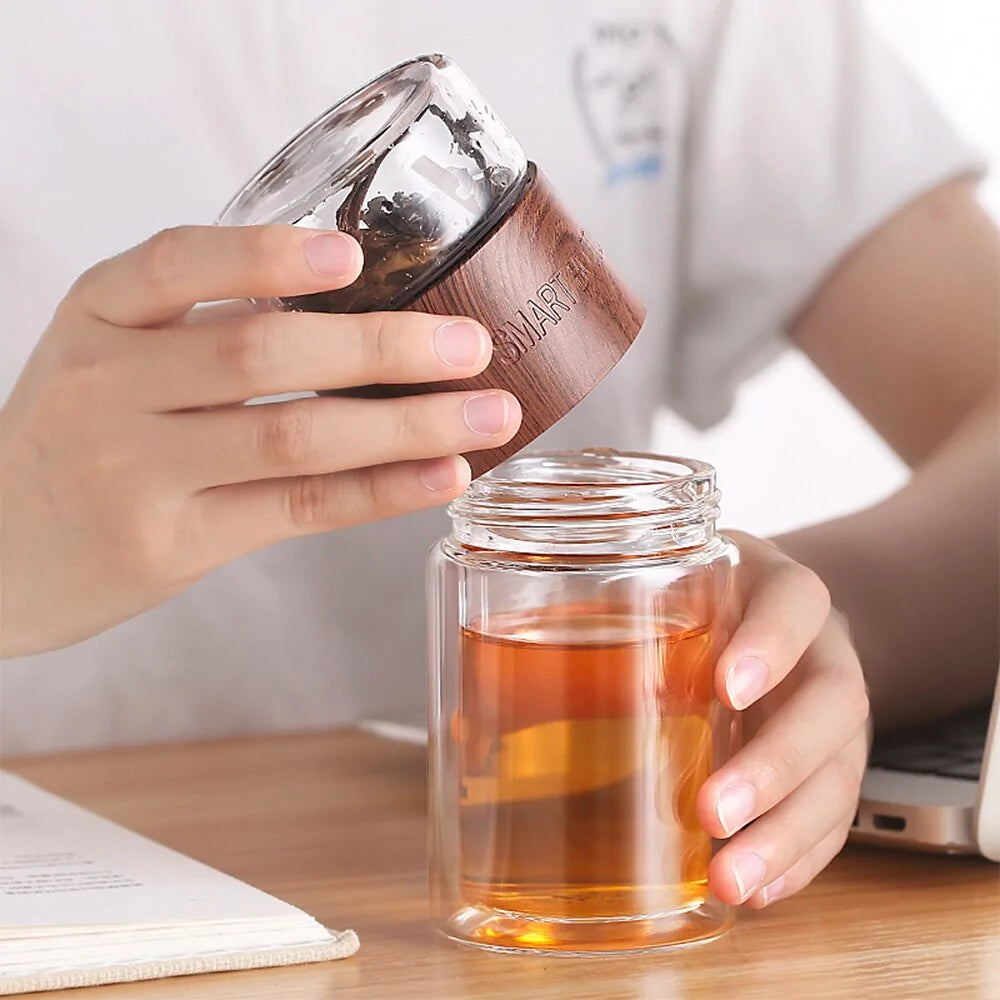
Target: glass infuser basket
x,y
454,220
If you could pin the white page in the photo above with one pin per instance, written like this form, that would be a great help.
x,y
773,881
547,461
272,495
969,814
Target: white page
x,y
61,866
407,725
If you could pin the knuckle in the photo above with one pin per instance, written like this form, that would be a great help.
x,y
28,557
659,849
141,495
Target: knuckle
x,y
81,360
780,765
68,393
414,426
382,496
249,350
319,503
82,290
90,478
106,467
264,250
287,436
150,549
377,498
381,348
260,245
770,776
163,257
311,504
809,583
77,378
147,547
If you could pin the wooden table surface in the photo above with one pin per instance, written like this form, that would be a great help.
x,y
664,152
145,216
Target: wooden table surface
x,y
335,823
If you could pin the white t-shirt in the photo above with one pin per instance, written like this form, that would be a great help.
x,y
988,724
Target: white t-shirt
x,y
724,154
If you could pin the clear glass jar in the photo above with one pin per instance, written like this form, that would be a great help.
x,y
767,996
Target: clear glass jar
x,y
414,165
576,614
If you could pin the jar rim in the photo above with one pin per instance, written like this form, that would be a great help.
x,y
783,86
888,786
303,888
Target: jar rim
x,y
593,501
588,477
249,206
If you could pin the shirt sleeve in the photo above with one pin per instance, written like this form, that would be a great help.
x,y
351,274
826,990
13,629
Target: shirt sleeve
x,y
806,132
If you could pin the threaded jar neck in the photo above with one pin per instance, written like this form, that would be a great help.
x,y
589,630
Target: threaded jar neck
x,y
595,504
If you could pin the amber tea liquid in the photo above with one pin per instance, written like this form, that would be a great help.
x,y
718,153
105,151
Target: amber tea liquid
x,y
585,733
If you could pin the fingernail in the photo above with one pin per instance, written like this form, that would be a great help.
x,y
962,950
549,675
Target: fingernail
x,y
486,413
440,475
331,255
773,891
735,806
749,872
460,344
746,681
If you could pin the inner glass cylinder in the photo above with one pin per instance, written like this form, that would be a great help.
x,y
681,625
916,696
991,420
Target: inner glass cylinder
x,y
414,165
574,635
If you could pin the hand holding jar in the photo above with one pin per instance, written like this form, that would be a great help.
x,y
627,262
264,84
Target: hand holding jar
x,y
788,797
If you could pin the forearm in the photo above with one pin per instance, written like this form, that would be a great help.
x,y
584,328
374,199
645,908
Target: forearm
x,y
917,577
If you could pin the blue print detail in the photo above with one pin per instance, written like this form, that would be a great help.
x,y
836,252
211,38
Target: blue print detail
x,y
647,166
623,85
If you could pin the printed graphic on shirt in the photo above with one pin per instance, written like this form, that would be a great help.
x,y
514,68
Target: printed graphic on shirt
x,y
621,77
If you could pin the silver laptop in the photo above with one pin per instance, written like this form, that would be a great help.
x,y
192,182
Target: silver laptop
x,y
937,788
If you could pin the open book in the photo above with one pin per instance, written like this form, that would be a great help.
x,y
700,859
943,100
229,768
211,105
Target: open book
x,y
84,901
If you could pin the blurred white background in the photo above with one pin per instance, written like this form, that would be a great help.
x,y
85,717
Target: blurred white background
x,y
778,473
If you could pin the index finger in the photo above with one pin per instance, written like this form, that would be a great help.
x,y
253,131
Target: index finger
x,y
165,276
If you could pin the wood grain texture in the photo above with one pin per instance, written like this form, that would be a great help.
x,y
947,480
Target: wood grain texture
x,y
559,316
335,823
